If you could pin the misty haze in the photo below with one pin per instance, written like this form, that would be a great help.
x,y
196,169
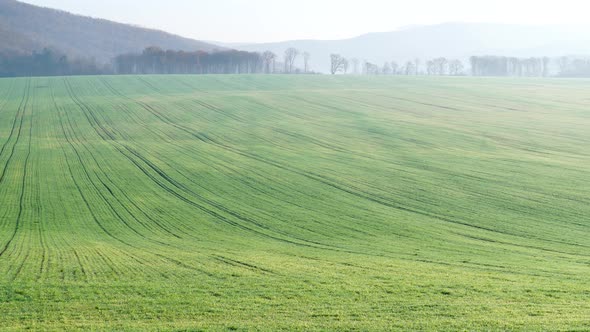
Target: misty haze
x,y
312,166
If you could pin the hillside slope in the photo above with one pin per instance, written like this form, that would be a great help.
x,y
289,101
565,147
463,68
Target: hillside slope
x,y
13,42
79,35
294,203
453,40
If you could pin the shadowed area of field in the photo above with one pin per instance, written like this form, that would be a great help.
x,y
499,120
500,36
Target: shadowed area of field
x,y
305,203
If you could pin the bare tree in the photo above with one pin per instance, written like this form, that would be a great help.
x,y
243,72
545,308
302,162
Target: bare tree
x,y
564,63
290,57
430,67
386,69
474,61
509,66
337,63
456,67
394,68
306,57
438,66
514,67
410,68
546,63
345,66
355,65
371,69
441,65
417,66
269,58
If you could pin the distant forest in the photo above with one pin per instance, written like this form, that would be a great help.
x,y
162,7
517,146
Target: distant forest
x,y
37,41
25,28
48,62
500,66
154,60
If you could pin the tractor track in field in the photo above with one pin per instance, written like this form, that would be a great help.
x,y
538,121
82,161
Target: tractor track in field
x,y
88,205
81,106
44,254
149,84
520,245
108,262
185,151
119,147
155,222
191,87
240,264
21,265
207,139
106,231
76,184
26,174
82,269
110,190
18,116
97,189
8,94
204,138
201,207
22,109
161,205
186,266
356,192
317,177
187,108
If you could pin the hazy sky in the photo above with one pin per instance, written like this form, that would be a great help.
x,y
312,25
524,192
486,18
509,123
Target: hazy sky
x,y
276,20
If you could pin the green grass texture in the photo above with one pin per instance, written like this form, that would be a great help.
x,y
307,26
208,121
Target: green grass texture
x,y
188,203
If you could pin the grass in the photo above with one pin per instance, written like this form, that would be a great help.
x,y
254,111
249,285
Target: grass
x,y
294,203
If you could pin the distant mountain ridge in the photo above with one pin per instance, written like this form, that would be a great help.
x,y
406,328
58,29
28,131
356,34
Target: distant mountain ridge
x,y
26,28
453,40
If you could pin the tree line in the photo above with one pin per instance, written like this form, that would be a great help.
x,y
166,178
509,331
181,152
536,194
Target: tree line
x,y
154,60
48,62
510,66
439,66
574,67
478,66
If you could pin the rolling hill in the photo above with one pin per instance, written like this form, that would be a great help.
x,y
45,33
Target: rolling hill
x,y
169,203
25,28
453,40
14,42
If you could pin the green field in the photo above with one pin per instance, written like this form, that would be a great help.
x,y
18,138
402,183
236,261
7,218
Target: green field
x,y
294,203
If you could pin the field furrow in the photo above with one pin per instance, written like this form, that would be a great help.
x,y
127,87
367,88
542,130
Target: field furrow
x,y
294,203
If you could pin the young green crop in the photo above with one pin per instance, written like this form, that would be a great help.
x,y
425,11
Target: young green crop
x,y
294,203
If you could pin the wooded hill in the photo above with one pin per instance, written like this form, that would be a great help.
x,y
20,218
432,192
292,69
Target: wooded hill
x,y
26,28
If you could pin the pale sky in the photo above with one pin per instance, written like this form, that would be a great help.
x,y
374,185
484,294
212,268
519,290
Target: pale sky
x,y
278,20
